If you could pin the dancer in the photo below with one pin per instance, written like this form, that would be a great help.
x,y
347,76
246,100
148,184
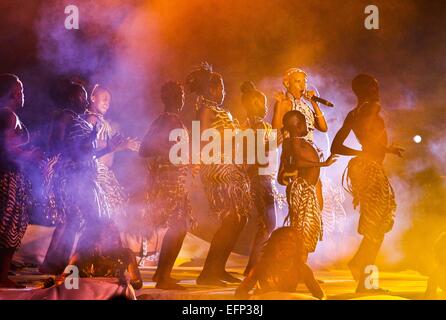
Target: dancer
x,y
262,186
282,267
67,222
82,194
99,239
226,185
105,257
304,203
168,203
75,102
365,175
295,98
95,114
14,187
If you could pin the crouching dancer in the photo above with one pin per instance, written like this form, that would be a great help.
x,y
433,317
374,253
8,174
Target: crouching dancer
x,y
281,267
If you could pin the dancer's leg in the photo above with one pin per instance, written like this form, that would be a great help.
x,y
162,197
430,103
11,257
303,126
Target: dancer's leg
x,y
172,242
220,249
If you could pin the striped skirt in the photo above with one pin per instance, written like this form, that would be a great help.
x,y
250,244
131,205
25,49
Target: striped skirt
x,y
227,188
304,213
14,204
167,198
367,182
113,191
263,196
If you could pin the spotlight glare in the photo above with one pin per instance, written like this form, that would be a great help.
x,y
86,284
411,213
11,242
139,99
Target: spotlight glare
x,y
417,139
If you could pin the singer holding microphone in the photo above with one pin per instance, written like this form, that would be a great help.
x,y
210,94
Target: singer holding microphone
x,y
297,97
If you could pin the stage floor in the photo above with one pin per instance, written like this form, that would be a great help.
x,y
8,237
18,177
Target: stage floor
x,y
337,284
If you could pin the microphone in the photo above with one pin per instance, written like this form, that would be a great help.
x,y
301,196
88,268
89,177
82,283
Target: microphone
x,y
322,101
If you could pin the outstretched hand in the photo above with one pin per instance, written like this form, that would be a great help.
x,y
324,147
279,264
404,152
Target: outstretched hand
x,y
115,142
393,149
285,177
331,159
132,144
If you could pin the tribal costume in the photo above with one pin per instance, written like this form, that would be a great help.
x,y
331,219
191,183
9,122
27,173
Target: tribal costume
x,y
263,196
263,187
304,212
116,198
303,108
333,213
14,196
80,193
14,207
366,180
226,186
304,209
167,198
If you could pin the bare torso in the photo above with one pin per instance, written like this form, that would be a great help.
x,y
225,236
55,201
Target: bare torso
x,y
294,148
368,127
108,158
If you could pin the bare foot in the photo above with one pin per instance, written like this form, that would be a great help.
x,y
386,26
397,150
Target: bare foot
x,y
157,278
210,281
226,276
168,285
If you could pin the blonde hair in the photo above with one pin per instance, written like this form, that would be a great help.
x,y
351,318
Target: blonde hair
x,y
290,72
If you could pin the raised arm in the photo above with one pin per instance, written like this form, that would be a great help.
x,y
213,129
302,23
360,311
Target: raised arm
x,y
281,107
320,123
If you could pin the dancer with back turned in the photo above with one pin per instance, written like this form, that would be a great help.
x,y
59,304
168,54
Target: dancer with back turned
x,y
226,185
365,176
168,203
